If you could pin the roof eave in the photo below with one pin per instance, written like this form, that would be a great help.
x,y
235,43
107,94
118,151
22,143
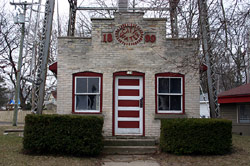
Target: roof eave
x,y
234,99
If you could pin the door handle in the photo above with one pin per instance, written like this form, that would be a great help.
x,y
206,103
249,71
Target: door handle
x,y
141,102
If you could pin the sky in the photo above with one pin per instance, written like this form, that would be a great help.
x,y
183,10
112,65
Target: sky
x,y
63,4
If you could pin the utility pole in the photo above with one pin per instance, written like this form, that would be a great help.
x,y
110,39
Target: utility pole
x,y
248,57
20,59
58,20
173,17
72,17
34,52
206,45
133,5
40,80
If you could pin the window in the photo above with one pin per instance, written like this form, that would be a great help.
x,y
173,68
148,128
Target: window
x,y
87,92
169,93
244,113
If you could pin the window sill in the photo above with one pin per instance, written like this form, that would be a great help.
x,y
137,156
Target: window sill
x,y
88,114
170,116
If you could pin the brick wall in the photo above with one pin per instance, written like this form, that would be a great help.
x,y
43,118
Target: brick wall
x,y
165,55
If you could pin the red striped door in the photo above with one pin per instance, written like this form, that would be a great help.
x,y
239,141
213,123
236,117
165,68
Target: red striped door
x,y
128,105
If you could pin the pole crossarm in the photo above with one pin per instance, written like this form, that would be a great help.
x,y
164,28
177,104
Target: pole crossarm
x,y
22,3
116,8
73,8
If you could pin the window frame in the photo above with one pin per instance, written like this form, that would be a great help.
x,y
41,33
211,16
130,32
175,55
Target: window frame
x,y
74,93
238,118
182,93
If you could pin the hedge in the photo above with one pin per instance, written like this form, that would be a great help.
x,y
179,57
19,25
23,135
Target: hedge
x,y
196,136
63,134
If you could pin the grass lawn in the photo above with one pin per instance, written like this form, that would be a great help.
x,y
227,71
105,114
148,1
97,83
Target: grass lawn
x,y
240,156
11,154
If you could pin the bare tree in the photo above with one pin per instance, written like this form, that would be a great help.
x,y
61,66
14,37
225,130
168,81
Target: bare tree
x,y
229,31
9,37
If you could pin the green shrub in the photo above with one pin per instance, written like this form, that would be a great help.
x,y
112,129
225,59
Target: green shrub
x,y
196,136
63,134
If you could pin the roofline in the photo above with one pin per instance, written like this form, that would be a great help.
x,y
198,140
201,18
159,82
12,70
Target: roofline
x,y
242,90
231,96
234,99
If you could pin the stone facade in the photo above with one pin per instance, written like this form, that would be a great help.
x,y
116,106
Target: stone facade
x,y
164,55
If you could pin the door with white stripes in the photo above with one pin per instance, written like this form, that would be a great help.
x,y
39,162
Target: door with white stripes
x,y
128,105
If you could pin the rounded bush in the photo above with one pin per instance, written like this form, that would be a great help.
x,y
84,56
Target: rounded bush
x,y
63,134
196,136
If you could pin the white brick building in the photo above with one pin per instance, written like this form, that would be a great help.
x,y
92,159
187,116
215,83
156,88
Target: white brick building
x,y
129,73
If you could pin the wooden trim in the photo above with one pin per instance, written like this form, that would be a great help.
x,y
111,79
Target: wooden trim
x,y
87,74
53,67
125,73
92,114
234,99
170,116
143,82
168,74
129,124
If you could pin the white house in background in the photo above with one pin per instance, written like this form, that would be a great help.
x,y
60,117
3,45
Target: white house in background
x,y
50,100
204,106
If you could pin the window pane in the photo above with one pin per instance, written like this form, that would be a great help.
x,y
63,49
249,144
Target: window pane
x,y
175,85
93,85
163,102
175,102
163,85
81,102
93,102
81,85
244,116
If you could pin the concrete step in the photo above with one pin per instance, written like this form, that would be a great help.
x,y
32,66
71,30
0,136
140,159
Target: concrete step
x,y
130,145
129,142
134,150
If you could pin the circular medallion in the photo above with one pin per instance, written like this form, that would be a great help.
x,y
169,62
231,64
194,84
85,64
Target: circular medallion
x,y
129,34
